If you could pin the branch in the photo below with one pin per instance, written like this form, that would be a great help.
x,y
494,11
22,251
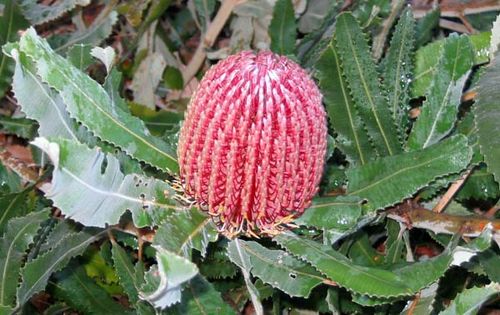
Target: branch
x,y
209,38
452,190
418,217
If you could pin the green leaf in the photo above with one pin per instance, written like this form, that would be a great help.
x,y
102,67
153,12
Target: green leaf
x,y
88,187
440,109
341,212
394,244
200,298
80,292
172,78
279,269
21,127
363,79
398,67
11,21
352,138
370,281
35,274
486,113
490,260
19,235
480,185
163,284
12,205
39,13
39,102
426,25
428,57
92,34
125,271
89,103
389,180
182,231
424,303
469,301
283,29
362,252
360,279
79,55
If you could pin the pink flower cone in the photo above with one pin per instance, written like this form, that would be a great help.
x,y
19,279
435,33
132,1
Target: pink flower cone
x,y
252,147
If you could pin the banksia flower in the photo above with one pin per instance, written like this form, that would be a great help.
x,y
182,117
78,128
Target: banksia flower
x,y
252,147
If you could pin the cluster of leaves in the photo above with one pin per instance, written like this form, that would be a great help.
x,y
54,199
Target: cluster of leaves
x,y
104,228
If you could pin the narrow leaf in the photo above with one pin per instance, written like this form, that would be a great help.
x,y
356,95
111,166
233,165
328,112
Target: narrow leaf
x,y
281,270
439,111
361,73
13,245
36,272
398,67
352,138
11,21
79,291
89,103
282,29
125,271
163,285
487,115
185,230
39,13
12,205
200,298
96,197
389,180
340,212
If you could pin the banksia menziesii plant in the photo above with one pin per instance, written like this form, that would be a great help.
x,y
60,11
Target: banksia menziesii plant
x,y
252,147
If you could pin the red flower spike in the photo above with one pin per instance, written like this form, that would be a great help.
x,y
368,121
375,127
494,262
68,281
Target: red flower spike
x,y
252,147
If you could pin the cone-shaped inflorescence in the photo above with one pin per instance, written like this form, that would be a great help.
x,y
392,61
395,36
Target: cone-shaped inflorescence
x,y
252,148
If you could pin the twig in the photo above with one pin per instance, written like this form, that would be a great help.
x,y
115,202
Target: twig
x,y
443,202
379,40
414,304
418,217
209,38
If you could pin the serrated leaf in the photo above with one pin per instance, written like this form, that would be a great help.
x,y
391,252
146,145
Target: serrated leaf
x,y
490,260
389,180
364,280
10,22
374,282
469,301
200,298
12,205
362,252
14,242
424,303
425,26
480,185
361,74
95,197
183,231
217,264
39,102
39,13
79,291
340,212
92,34
125,271
352,138
398,67
440,109
279,269
89,103
163,285
282,29
35,274
486,114
427,59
